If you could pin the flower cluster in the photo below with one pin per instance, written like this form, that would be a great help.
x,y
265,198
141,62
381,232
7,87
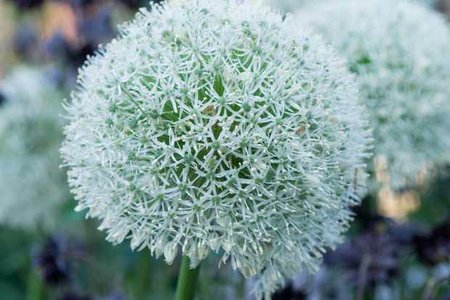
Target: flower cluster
x,y
33,187
218,126
396,49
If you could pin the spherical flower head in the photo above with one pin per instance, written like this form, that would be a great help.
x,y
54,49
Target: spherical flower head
x,y
33,185
399,52
218,126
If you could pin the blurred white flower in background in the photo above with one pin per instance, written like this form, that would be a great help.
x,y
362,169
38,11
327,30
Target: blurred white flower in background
x,y
430,3
400,53
33,187
289,5
294,5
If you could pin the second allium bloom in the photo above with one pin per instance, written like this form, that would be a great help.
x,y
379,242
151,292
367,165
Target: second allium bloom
x,y
399,52
217,126
33,187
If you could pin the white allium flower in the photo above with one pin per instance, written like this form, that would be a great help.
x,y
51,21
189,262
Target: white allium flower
x,y
33,187
217,126
400,53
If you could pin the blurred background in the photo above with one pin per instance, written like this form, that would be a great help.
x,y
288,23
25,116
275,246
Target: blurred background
x,y
397,248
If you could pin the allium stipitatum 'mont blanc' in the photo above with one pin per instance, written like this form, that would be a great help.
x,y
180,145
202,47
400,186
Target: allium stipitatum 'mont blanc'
x,y
399,51
217,126
33,186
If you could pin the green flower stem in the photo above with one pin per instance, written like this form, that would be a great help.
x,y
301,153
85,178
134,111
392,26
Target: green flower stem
x,y
143,276
35,286
187,280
